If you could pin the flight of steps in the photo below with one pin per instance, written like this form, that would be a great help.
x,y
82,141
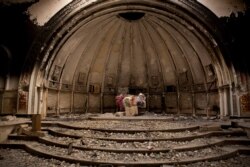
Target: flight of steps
x,y
131,142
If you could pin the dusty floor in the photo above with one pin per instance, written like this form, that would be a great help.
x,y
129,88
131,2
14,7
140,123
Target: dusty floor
x,y
20,158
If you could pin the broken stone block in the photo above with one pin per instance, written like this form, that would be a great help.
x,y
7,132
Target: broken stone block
x,y
210,128
131,111
8,118
36,122
248,133
38,133
70,148
234,124
119,114
22,131
24,125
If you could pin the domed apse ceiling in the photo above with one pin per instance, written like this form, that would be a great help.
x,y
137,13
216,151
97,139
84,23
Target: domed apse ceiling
x,y
137,51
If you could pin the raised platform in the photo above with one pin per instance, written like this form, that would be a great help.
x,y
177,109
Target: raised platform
x,y
145,141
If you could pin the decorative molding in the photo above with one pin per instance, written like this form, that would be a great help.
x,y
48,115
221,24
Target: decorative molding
x,y
57,72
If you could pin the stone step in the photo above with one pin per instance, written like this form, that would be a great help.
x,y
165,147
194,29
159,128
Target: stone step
x,y
195,145
153,159
115,129
179,138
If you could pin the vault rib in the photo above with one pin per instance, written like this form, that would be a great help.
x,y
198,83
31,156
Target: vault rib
x,y
75,56
177,27
184,56
174,66
125,59
131,63
196,54
198,37
107,61
102,37
154,48
121,55
145,58
75,32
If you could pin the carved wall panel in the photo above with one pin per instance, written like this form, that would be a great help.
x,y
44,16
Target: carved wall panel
x,y
94,103
200,101
94,88
56,73
185,101
9,101
170,88
214,99
235,108
109,90
122,90
183,78
171,103
210,73
52,101
185,88
199,88
155,81
245,103
109,81
155,102
109,103
81,78
212,86
9,106
80,102
54,85
81,88
155,90
136,90
23,101
66,87
1,99
65,99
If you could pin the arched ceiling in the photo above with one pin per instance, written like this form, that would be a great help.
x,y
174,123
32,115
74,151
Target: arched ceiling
x,y
162,48
41,11
112,47
133,52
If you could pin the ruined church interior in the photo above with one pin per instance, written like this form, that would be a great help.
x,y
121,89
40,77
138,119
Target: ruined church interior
x,y
115,83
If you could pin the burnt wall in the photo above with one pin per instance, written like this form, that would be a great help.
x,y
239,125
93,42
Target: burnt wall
x,y
17,33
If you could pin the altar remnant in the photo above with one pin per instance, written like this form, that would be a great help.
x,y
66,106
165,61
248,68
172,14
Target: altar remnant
x,y
119,102
130,103
36,122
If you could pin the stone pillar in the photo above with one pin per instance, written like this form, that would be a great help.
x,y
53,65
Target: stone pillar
x,y
231,89
36,122
225,107
221,103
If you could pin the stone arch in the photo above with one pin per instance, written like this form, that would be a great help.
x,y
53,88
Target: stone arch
x,y
5,66
191,28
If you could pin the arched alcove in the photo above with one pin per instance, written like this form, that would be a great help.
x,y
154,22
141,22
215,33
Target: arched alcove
x,y
172,51
4,66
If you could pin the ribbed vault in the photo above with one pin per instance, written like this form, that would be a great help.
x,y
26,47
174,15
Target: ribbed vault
x,y
153,47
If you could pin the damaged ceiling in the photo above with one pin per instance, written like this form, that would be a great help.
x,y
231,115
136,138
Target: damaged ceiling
x,y
146,49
